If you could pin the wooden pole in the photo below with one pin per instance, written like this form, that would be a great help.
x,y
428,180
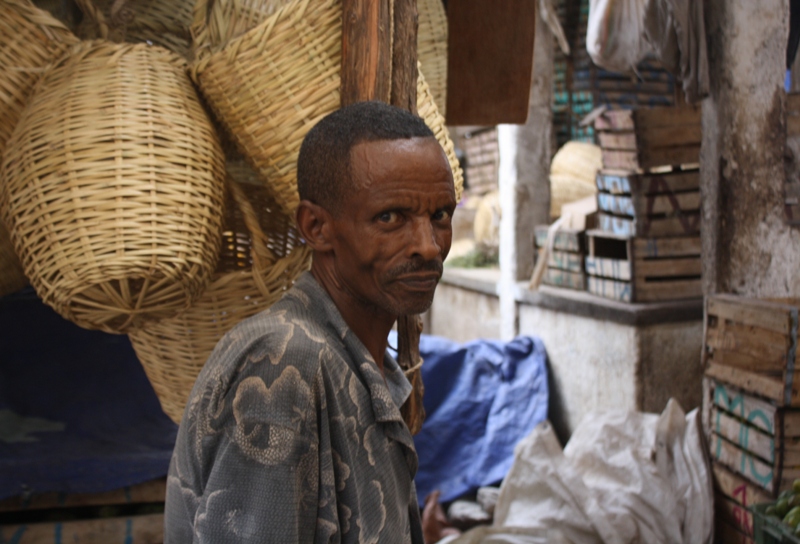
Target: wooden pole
x,y
379,62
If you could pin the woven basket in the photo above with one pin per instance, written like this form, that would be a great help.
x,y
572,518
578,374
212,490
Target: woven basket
x,y
159,22
426,108
261,257
270,85
30,39
432,48
112,187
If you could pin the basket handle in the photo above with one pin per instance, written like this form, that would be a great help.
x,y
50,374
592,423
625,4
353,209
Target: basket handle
x,y
259,252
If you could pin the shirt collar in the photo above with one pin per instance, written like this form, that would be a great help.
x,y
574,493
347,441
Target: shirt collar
x,y
387,395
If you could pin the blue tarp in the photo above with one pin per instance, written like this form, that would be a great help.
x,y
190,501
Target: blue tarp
x,y
481,398
77,413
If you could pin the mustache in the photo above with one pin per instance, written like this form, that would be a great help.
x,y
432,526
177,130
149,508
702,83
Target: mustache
x,y
419,265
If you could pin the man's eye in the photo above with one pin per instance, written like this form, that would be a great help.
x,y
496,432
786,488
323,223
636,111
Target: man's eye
x,y
441,215
387,217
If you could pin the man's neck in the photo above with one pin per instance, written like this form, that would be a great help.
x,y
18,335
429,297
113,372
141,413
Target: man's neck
x,y
370,324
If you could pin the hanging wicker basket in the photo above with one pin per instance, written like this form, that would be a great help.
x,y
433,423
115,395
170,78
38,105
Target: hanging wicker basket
x,y
270,85
159,22
112,187
261,257
432,48
30,38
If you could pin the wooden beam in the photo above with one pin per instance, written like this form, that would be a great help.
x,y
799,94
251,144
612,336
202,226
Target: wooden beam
x,y
366,50
404,55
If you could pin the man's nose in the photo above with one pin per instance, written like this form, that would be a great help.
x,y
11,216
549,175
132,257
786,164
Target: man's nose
x,y
424,241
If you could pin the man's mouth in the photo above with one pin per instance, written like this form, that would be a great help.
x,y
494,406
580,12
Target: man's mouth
x,y
421,281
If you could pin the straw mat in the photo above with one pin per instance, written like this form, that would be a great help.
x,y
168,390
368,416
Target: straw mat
x,y
432,48
112,187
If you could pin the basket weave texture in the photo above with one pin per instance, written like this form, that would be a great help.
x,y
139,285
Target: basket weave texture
x,y
160,22
270,85
30,39
112,187
261,257
432,48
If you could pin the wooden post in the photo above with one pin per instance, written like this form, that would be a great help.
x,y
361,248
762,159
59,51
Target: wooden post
x,y
379,66
366,50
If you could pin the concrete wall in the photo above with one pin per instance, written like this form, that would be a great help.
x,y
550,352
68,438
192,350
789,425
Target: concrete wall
x,y
463,314
747,246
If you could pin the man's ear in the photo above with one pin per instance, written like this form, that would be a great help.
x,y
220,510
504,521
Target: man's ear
x,y
314,224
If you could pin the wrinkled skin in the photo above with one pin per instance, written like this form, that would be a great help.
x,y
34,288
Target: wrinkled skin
x,y
380,255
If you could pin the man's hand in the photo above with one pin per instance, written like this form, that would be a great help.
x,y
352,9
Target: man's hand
x,y
434,522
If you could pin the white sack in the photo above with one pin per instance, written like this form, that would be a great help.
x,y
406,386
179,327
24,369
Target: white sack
x,y
615,34
624,477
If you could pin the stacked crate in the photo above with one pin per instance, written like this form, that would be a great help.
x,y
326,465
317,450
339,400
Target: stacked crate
x,y
647,244
579,86
751,405
482,159
565,261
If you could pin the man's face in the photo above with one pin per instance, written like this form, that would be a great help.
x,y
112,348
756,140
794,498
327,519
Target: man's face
x,y
393,229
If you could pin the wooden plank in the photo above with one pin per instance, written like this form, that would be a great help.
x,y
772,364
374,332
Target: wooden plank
x,y
734,486
667,290
564,278
490,61
747,437
564,260
729,511
366,51
625,182
153,491
651,157
617,140
760,384
616,269
607,288
792,125
403,92
646,118
753,410
643,205
681,135
751,467
628,160
764,345
772,316
615,120
565,240
644,248
146,529
669,267
688,223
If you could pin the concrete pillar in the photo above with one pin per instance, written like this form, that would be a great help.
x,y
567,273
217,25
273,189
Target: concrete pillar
x,y
524,183
748,247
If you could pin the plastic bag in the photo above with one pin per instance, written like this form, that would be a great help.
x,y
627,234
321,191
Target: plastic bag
x,y
615,36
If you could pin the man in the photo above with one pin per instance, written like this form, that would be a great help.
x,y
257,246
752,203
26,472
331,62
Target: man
x,y
293,432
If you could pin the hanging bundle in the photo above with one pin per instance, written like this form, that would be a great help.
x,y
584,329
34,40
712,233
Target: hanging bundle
x,y
159,22
270,85
112,187
261,257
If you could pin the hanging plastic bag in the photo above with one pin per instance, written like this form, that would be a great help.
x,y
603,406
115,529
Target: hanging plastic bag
x,y
615,37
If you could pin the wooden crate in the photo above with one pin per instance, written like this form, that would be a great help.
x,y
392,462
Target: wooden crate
x,y
632,269
733,495
752,344
751,436
566,260
132,515
653,204
646,138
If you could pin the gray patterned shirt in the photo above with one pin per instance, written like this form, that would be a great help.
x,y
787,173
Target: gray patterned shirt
x,y
291,434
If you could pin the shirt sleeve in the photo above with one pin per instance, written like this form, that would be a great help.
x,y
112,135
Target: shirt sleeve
x,y
258,458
